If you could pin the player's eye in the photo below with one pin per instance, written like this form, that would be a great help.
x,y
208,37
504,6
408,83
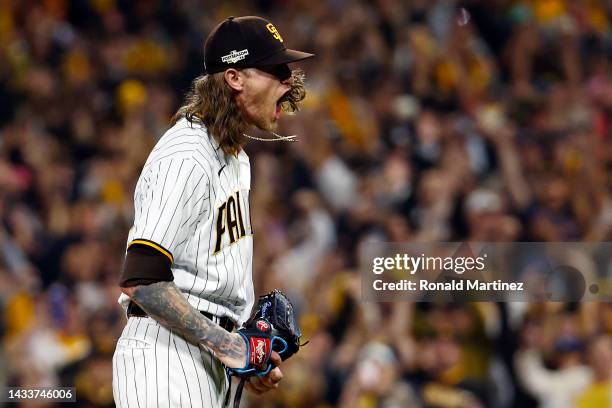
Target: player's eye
x,y
281,72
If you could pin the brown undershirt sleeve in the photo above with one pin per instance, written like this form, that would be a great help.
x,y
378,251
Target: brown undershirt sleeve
x,y
145,265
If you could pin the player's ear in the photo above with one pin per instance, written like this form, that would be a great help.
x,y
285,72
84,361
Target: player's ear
x,y
234,79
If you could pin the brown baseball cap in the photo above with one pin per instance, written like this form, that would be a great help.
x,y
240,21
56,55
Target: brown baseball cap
x,y
247,42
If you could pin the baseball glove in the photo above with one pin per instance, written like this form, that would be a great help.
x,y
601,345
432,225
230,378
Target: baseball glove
x,y
272,327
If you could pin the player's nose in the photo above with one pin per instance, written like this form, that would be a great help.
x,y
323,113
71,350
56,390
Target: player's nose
x,y
287,81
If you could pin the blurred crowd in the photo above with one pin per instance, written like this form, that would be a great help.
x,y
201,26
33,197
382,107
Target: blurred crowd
x,y
426,120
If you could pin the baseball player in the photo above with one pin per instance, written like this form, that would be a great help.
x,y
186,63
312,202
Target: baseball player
x,y
186,280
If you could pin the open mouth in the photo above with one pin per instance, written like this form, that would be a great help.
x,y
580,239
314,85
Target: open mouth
x,y
279,104
283,98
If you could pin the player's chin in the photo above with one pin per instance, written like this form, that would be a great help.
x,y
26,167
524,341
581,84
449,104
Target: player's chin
x,y
268,125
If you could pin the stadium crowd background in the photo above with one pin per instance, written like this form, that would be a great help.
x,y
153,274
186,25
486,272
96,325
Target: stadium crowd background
x,y
421,123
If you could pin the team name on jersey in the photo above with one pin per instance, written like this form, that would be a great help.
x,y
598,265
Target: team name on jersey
x,y
230,220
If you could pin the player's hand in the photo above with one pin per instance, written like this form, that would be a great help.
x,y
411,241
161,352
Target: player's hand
x,y
233,354
259,385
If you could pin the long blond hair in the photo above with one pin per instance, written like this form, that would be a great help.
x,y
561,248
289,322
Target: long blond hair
x,y
212,102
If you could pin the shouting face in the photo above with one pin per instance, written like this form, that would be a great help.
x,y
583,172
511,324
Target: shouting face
x,y
260,93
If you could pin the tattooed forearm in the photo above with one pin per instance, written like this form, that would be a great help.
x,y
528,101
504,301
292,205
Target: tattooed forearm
x,y
164,302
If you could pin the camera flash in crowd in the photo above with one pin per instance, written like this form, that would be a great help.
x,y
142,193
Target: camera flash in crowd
x,y
463,17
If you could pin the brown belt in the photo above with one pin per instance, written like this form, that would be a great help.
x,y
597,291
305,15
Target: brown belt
x,y
228,324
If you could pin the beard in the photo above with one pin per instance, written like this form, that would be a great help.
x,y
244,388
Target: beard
x,y
290,101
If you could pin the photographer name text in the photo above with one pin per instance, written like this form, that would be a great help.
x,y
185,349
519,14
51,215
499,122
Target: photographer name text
x,y
454,285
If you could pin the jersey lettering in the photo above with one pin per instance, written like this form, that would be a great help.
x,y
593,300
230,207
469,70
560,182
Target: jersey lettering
x,y
220,225
230,220
242,233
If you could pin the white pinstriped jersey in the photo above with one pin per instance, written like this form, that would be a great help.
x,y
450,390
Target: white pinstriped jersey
x,y
191,202
156,368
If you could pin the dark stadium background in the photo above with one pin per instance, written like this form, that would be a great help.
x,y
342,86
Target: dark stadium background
x,y
423,122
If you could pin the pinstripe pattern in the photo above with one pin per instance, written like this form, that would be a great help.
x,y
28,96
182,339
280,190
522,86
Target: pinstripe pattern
x,y
184,186
176,206
184,375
